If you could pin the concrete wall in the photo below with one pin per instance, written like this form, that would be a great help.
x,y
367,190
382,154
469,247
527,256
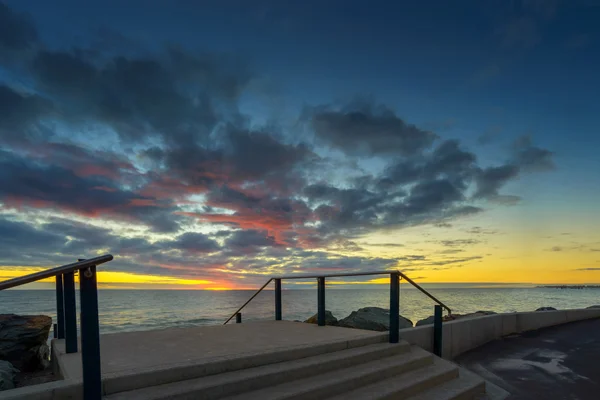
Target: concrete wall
x,y
466,334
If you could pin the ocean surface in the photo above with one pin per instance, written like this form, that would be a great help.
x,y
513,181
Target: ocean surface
x,y
135,310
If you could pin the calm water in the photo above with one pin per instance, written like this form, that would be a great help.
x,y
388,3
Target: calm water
x,y
130,310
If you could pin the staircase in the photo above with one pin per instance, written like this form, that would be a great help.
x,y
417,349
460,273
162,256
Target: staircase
x,y
373,371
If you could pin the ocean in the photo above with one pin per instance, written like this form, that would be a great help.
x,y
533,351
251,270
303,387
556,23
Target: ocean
x,y
135,310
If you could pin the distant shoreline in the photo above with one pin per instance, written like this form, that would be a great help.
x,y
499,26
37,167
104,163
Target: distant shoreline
x,y
570,287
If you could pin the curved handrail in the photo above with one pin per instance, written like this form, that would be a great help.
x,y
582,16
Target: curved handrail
x,y
36,276
388,272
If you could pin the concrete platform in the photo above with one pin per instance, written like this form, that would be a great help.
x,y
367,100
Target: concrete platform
x,y
133,359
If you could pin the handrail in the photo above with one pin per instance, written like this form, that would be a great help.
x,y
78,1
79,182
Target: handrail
x,y
249,300
66,315
384,272
36,276
425,292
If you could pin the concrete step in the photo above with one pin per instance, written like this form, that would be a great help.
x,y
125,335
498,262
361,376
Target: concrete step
x,y
231,383
187,370
323,386
465,387
405,385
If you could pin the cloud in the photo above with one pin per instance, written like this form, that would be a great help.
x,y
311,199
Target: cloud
x,y
368,129
194,242
587,269
386,244
17,31
28,184
491,179
531,158
20,113
147,154
459,242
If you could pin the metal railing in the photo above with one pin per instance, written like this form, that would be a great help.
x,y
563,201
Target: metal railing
x,y
66,315
395,277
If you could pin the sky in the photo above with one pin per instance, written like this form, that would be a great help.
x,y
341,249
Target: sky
x,y
214,144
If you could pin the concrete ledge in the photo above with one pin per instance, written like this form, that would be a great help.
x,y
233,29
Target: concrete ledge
x,y
466,334
58,390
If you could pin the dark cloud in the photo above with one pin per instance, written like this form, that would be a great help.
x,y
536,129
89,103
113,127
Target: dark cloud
x,y
478,230
20,113
531,158
249,241
22,243
491,179
24,183
447,160
194,242
459,242
17,31
368,129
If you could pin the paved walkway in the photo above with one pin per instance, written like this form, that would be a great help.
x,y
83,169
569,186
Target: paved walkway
x,y
134,351
561,362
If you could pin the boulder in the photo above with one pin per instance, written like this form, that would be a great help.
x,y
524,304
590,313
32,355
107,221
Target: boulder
x,y
426,321
23,341
593,307
8,374
329,319
372,319
546,309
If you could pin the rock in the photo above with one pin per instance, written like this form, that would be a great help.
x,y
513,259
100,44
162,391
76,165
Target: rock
x,y
8,374
593,307
329,319
427,321
23,341
546,309
372,319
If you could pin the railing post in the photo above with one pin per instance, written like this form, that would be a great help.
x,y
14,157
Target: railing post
x,y
321,301
238,318
394,307
437,330
70,312
278,299
90,334
60,307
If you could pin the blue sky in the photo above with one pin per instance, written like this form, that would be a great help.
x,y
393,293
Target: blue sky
x,y
484,73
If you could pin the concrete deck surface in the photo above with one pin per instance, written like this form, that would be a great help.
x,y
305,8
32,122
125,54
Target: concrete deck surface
x,y
134,351
553,363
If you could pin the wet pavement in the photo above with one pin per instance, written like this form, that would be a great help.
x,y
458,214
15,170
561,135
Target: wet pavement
x,y
561,362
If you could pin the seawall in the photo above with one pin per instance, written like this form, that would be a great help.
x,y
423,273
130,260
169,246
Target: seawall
x,y
466,334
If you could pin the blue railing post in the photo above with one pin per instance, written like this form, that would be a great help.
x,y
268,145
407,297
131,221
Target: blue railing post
x,y
60,307
437,330
70,312
394,307
90,334
278,299
238,318
321,301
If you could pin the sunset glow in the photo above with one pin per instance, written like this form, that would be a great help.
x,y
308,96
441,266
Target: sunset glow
x,y
203,158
